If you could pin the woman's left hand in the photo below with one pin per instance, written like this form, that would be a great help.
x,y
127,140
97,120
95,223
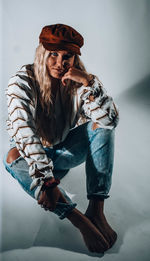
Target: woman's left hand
x,y
76,75
49,198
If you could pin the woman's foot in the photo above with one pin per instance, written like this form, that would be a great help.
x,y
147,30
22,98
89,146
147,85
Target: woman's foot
x,y
103,226
93,238
97,217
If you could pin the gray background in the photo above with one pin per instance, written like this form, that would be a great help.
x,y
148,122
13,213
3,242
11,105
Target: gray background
x,y
117,40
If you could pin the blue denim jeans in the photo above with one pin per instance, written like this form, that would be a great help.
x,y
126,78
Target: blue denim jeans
x,y
82,144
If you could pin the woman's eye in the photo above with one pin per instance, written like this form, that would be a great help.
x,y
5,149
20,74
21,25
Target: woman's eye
x,y
67,56
54,54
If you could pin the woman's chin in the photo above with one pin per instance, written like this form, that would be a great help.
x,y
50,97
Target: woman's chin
x,y
56,76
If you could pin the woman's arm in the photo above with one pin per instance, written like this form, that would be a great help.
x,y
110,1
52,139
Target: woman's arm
x,y
21,111
95,103
98,106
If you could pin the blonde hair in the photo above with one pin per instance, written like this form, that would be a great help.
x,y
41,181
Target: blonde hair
x,y
45,102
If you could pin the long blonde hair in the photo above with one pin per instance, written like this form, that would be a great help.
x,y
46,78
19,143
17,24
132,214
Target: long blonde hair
x,y
43,78
45,101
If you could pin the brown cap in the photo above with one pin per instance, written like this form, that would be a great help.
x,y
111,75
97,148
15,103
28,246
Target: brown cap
x,y
61,37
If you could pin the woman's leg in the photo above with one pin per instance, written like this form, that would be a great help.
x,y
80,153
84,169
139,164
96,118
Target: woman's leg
x,y
96,147
19,170
66,155
95,212
91,235
99,162
99,166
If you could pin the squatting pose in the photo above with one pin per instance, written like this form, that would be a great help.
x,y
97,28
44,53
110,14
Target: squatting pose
x,y
60,116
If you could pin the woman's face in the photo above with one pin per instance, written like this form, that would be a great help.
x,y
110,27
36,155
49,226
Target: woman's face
x,y
59,62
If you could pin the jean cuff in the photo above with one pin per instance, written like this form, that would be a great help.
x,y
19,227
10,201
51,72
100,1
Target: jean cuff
x,y
97,196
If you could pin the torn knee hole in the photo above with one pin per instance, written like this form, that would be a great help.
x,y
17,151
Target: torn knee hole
x,y
13,154
95,126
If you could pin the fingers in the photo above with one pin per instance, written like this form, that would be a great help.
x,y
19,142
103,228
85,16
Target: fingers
x,y
76,75
53,206
43,201
65,77
70,74
41,198
47,206
46,203
49,198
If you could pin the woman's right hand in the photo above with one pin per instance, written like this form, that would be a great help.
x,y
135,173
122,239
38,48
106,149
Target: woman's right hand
x,y
49,198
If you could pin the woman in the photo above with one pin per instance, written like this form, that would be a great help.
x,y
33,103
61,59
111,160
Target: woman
x,y
59,116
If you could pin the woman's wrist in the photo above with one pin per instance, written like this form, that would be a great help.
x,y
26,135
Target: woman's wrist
x,y
50,183
88,80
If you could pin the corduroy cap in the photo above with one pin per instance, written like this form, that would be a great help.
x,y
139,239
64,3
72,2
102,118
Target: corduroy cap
x,y
61,37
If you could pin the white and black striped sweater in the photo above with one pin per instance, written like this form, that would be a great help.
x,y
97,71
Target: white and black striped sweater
x,y
22,103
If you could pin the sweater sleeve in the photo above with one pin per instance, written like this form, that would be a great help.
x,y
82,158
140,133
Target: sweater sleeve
x,y
22,128
98,106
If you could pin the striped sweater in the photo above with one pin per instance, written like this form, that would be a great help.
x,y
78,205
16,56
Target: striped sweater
x,y
21,125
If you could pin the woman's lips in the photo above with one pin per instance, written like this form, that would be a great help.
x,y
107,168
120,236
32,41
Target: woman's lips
x,y
58,70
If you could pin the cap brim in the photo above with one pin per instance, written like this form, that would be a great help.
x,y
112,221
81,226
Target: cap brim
x,y
63,46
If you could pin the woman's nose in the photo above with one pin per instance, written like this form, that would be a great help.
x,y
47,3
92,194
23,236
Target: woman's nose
x,y
60,62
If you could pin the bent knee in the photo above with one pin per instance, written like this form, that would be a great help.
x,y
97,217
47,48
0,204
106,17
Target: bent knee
x,y
95,126
13,154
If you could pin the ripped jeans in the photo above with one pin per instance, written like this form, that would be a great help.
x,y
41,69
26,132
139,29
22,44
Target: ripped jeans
x,y
82,144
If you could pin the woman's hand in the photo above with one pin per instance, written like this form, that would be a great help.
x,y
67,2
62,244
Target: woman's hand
x,y
49,197
77,76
